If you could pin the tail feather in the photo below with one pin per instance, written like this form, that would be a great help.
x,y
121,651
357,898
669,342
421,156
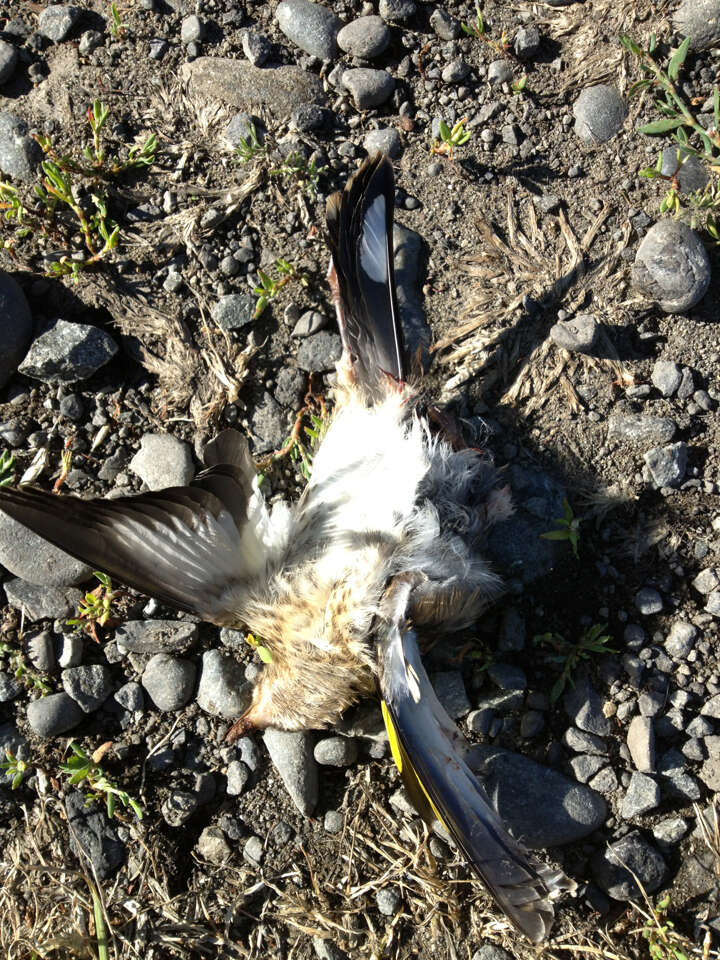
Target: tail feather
x,y
360,226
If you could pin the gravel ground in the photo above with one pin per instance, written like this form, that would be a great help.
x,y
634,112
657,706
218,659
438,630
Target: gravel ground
x,y
552,307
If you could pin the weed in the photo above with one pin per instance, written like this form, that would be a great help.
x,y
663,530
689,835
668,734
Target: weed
x,y
21,671
262,651
593,641
83,768
451,138
662,940
14,768
296,447
518,87
95,609
72,197
568,528
250,147
7,469
477,28
117,27
305,172
269,288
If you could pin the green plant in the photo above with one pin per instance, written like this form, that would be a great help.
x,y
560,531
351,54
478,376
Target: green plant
x,y
305,172
568,528
296,447
451,137
21,671
250,146
14,768
477,28
593,641
95,608
269,288
262,651
662,940
518,87
72,197
81,768
117,28
7,468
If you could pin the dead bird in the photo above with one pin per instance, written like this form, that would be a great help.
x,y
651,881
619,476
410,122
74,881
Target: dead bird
x,y
381,548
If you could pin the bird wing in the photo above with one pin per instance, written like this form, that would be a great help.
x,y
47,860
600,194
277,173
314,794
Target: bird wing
x,y
360,228
187,546
428,750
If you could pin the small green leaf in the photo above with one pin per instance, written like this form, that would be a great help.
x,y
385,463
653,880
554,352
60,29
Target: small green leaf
x,y
678,59
563,534
445,131
660,126
264,654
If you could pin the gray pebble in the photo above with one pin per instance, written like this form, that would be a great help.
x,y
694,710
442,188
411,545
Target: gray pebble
x,y
89,685
41,651
366,37
500,71
68,352
57,21
178,807
599,113
93,836
368,87
388,901
319,352
641,428
666,376
585,766
292,755
309,323
52,715
397,11
233,311
333,822
10,687
613,868
238,776
680,640
310,26
268,421
648,601
336,751
444,24
667,465
672,266
641,743
456,71
253,851
222,690
309,117
711,708
89,41
691,175
38,602
156,636
699,20
256,47
240,128
386,141
163,461
578,335
70,648
130,697
169,681
643,795
526,42
212,846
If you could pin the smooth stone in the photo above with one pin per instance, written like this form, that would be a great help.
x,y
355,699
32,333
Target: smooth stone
x,y
691,175
368,87
20,155
385,141
41,602
641,428
578,335
156,636
320,352
52,715
311,26
366,37
336,751
699,20
169,681
292,756
599,113
163,461
666,376
223,690
56,22
672,266
239,84
89,685
397,11
31,558
445,25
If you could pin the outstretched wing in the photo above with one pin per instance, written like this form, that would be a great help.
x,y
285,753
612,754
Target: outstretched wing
x,y
428,750
187,546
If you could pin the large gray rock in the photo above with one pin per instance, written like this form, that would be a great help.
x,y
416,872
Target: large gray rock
x,y
20,155
89,685
169,681
239,84
310,26
599,113
93,836
570,811
33,559
292,755
672,266
53,715
163,461
156,636
16,327
223,690
369,88
56,22
68,352
699,20
40,602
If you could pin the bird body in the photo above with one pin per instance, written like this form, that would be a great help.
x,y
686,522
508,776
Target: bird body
x,y
382,546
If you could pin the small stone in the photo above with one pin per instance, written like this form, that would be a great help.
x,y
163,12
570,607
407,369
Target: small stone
x,y
292,755
52,715
710,774
642,795
500,71
253,851
130,697
233,311
444,25
88,685
667,465
532,723
680,640
89,41
333,822
309,323
456,71
9,687
173,282
223,690
238,776
68,352
169,681
507,677
269,422
369,88
163,461
256,47
584,707
526,42
604,782
366,37
41,651
666,376
397,11
386,141
641,428
20,155
93,837
178,807
582,742
672,266
8,61
319,352
310,26
648,601
706,581
192,30
212,846
599,113
241,128
56,22
70,650
309,117
670,831
577,335
641,743
40,603
156,636
613,868
713,603
586,766
388,901
711,708
336,751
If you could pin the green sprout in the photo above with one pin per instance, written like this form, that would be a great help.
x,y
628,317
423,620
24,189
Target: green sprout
x,y
269,288
14,768
477,28
96,606
250,146
664,943
518,86
451,137
262,651
305,172
82,768
593,641
117,27
568,528
21,671
7,468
